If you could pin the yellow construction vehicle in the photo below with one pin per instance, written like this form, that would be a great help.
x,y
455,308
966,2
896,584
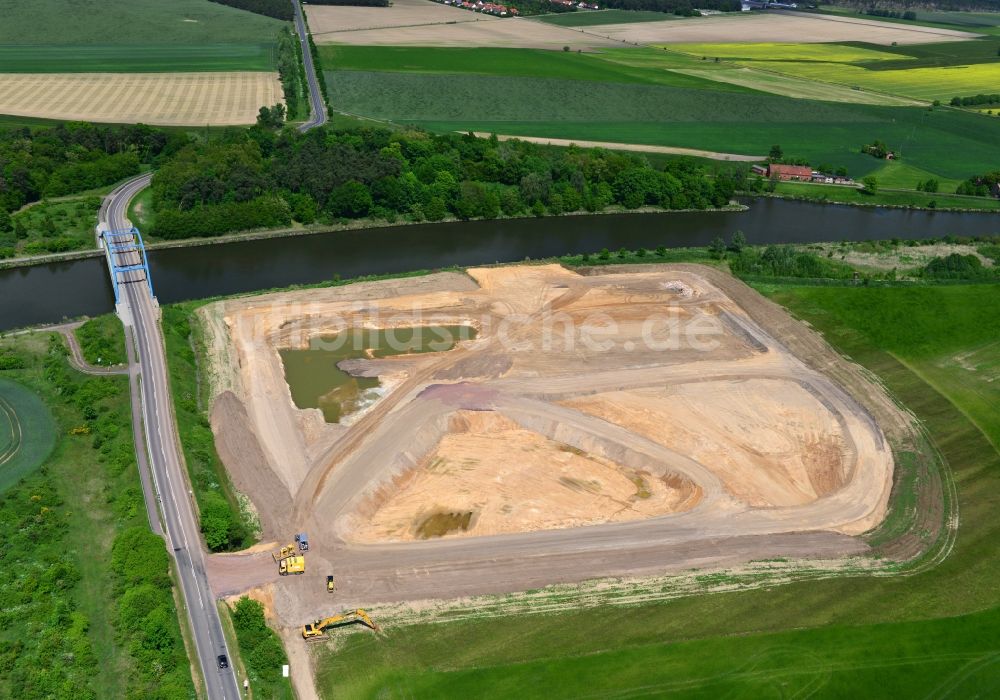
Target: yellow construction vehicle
x,y
315,630
330,585
285,552
292,565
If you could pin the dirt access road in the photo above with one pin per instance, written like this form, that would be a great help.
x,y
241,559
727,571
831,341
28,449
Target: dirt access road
x,y
635,147
761,490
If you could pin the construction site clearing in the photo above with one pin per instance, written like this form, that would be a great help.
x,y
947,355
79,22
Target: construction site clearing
x,y
609,421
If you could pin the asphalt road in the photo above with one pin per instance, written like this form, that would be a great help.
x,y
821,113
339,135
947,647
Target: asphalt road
x,y
316,107
154,411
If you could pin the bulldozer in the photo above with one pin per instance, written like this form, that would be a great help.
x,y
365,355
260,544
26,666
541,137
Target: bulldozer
x,y
285,552
292,565
317,630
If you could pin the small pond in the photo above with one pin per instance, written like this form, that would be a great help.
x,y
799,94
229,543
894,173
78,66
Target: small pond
x,y
316,381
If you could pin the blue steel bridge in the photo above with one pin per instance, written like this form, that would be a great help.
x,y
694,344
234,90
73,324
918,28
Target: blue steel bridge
x,y
126,258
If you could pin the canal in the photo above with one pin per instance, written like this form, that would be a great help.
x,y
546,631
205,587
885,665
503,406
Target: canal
x,y
49,293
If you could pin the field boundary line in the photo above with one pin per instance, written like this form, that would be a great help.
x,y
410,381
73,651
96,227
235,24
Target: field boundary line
x,y
617,146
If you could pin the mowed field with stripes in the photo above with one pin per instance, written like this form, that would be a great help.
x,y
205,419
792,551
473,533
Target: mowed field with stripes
x,y
173,99
183,63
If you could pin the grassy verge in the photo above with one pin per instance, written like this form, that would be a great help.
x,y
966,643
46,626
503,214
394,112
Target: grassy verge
x,y
903,635
65,630
883,197
141,212
236,660
223,523
102,340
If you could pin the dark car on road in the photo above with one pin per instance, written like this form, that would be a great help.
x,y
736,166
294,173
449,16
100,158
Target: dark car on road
x,y
223,661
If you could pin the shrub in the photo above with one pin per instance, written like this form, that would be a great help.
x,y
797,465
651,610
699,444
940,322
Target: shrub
x,y
259,645
219,523
957,266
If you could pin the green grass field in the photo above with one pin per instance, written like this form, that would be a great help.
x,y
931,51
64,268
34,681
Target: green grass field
x,y
851,195
930,633
27,432
919,83
431,97
52,36
631,65
947,143
131,23
902,175
821,53
948,53
155,58
636,96
928,72
594,18
976,22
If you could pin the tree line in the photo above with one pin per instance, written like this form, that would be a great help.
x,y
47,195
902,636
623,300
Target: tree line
x,y
73,157
908,15
981,185
261,178
975,100
279,9
292,73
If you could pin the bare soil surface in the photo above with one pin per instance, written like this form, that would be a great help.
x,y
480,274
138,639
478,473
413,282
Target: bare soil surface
x,y
770,441
627,420
330,19
775,27
487,476
425,23
178,99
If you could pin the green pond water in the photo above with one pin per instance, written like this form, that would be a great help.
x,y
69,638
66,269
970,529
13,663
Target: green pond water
x,y
316,382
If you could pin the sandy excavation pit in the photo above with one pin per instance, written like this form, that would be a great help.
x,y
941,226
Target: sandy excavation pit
x,y
489,476
606,399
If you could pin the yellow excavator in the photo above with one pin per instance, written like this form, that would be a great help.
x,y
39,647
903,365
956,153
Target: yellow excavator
x,y
316,630
285,552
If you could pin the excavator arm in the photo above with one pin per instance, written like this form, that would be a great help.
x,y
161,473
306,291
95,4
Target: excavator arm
x,y
319,627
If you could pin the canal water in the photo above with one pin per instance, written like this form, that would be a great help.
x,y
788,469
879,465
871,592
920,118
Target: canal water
x,y
49,293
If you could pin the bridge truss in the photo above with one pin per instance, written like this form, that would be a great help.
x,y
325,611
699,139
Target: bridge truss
x,y
126,257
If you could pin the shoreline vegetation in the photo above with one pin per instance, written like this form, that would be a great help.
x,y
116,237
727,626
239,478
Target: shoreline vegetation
x,y
366,224
263,182
350,225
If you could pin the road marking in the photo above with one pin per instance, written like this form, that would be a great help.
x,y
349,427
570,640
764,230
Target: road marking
x,y
152,405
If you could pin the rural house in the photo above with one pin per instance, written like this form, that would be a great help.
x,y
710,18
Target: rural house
x,y
789,172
